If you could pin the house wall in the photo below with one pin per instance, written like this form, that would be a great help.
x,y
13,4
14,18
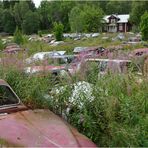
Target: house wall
x,y
123,27
129,28
112,17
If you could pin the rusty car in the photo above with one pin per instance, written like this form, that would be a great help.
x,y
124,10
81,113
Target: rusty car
x,y
105,66
13,48
140,57
23,127
40,56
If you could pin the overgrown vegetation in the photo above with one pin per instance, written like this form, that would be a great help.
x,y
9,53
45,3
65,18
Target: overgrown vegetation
x,y
87,15
58,31
18,36
116,116
144,26
1,44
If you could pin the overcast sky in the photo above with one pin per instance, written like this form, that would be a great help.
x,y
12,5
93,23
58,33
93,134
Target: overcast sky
x,y
37,2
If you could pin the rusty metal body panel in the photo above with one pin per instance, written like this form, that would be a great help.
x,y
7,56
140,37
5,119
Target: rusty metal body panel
x,y
37,128
139,52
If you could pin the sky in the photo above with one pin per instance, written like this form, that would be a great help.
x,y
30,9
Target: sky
x,y
37,2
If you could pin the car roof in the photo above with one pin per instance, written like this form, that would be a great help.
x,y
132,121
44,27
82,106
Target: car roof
x,y
3,82
107,60
50,52
62,56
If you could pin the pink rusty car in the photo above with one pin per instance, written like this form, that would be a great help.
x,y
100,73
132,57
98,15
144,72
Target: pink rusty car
x,y
140,56
139,52
20,126
94,52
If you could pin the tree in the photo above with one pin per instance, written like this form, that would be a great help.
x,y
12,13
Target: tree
x,y
9,3
118,7
8,21
1,20
18,37
64,9
45,15
86,18
92,18
144,26
31,22
31,5
138,9
20,9
76,19
58,31
56,11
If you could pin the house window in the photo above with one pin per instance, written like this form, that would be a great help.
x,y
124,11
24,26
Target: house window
x,y
113,21
120,27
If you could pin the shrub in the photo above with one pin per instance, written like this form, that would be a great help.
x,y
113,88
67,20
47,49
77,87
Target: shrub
x,y
58,31
1,44
18,37
144,26
117,114
29,89
40,33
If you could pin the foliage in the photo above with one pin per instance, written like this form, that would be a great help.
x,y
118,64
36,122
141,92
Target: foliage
x,y
30,23
58,31
138,9
29,89
1,23
65,12
144,26
118,7
1,44
20,10
44,14
92,18
40,33
8,21
31,5
118,111
86,19
76,20
18,36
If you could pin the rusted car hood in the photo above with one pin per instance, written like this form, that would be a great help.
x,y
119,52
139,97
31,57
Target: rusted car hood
x,y
39,128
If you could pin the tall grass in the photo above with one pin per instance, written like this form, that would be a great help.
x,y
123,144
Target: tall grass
x,y
116,116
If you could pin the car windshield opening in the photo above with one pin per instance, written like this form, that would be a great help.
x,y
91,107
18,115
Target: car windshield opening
x,y
7,97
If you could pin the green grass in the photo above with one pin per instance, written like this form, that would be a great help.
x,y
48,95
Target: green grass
x,y
69,44
118,114
116,117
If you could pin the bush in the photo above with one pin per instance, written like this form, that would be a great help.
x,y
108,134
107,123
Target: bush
x,y
1,44
144,26
18,37
40,33
58,31
29,89
117,114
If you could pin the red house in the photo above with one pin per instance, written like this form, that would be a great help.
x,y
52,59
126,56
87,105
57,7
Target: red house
x,y
117,23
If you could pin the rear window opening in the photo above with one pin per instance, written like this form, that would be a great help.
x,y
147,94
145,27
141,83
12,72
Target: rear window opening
x,y
7,97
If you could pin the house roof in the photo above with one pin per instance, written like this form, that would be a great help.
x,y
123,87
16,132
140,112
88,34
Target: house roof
x,y
122,18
